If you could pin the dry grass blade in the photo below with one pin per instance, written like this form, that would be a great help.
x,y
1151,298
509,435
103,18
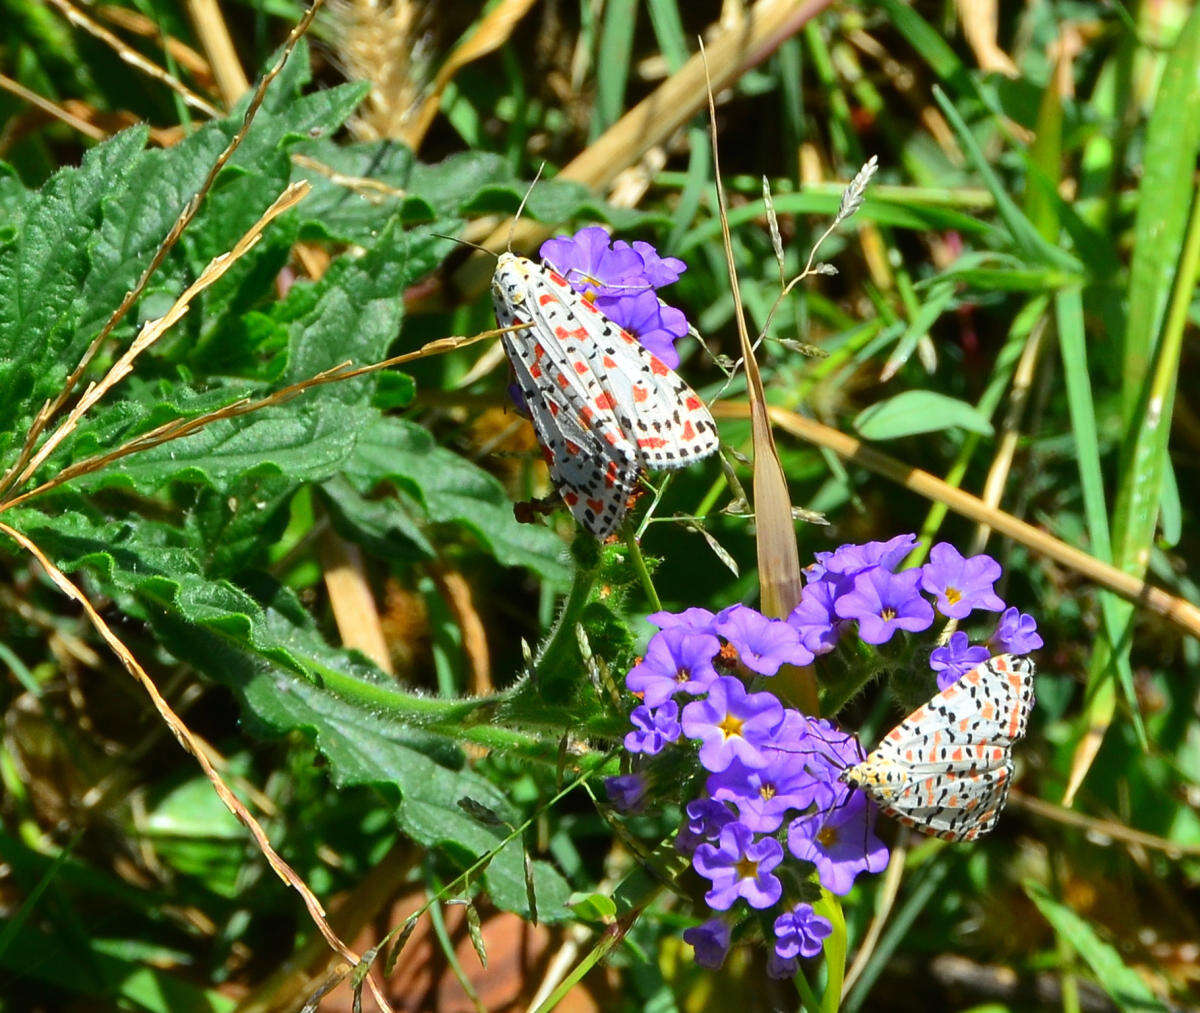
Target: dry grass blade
x,y
373,190
344,571
489,34
178,428
736,46
213,34
51,109
133,57
185,738
1010,430
138,24
1102,828
172,237
778,554
886,898
152,330
1182,613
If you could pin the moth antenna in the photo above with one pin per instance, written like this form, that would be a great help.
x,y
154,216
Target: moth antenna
x,y
464,242
521,207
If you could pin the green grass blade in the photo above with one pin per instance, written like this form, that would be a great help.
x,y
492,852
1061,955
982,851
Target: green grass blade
x,y
612,63
1121,982
1172,144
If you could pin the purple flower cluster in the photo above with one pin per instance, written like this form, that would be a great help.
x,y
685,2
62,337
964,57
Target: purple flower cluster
x,y
621,280
860,584
771,792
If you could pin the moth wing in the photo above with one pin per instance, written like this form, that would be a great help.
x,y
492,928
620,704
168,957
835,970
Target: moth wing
x,y
594,477
665,419
954,805
990,705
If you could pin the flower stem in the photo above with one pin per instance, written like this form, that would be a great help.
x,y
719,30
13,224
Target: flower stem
x,y
835,952
552,669
807,999
639,564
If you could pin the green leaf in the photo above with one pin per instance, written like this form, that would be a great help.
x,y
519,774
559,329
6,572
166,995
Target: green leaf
x,y
42,268
267,650
919,411
451,490
1164,199
1123,984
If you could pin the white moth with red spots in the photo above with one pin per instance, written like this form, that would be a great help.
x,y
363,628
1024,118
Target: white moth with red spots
x,y
603,407
945,769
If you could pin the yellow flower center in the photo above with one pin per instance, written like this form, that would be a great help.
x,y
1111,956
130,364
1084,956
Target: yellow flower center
x,y
767,791
953,595
682,675
888,613
747,869
827,836
731,725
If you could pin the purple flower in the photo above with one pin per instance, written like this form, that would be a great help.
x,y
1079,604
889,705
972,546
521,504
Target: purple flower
x,y
826,751
780,969
799,932
1016,633
621,280
676,660
955,659
961,585
706,818
847,561
655,325
694,620
710,940
625,792
653,729
592,264
658,271
814,618
764,796
740,866
840,842
732,724
762,644
884,602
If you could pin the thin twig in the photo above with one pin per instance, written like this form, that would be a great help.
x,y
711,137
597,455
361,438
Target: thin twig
x,y
50,108
132,57
178,428
152,330
51,408
185,738
1182,613
1104,828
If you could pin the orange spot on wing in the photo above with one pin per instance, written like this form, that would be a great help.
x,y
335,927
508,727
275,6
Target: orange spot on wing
x,y
603,402
658,366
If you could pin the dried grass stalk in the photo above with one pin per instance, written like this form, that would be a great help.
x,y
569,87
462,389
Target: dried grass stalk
x,y
1182,613
189,742
51,408
380,42
778,555
132,57
152,330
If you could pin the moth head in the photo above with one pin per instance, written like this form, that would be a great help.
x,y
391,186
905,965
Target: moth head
x,y
510,279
